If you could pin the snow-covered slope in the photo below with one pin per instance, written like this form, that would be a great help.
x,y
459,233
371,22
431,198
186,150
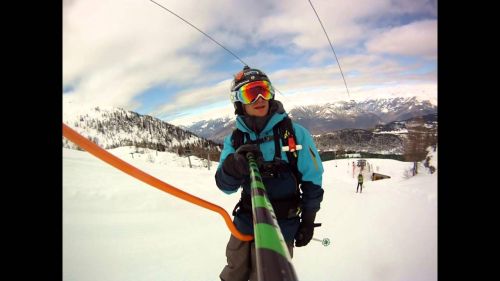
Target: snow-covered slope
x,y
118,228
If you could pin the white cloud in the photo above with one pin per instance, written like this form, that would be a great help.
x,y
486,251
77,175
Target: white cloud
x,y
196,97
415,39
112,54
114,50
375,77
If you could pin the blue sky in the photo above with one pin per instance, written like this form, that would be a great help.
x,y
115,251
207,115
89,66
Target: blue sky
x,y
135,55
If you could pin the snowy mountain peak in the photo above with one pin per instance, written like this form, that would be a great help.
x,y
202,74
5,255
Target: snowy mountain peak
x,y
111,127
325,118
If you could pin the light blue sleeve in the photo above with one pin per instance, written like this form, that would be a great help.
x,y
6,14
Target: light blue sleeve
x,y
309,162
225,182
311,168
226,150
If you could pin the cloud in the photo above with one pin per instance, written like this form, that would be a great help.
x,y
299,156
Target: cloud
x,y
116,50
359,70
363,73
414,39
111,54
193,98
347,23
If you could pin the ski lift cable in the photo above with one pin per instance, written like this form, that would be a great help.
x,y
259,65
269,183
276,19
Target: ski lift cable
x,y
331,46
208,36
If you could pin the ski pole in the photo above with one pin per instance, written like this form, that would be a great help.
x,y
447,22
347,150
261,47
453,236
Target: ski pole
x,y
125,167
273,259
324,241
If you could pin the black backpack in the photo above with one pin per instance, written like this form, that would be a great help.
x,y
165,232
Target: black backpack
x,y
283,131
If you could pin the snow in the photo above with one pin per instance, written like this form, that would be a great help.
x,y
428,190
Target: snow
x,y
395,132
118,228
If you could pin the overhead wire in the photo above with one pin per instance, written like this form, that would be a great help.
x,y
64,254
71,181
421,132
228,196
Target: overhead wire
x,y
244,63
331,46
208,36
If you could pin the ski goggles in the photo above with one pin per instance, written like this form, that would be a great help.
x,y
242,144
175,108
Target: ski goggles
x,y
249,93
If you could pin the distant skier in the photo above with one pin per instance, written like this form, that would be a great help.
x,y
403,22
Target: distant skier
x,y
360,183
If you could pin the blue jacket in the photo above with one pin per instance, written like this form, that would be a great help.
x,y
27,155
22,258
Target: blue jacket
x,y
308,163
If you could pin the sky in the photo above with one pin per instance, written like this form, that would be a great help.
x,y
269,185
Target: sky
x,y
116,228
136,55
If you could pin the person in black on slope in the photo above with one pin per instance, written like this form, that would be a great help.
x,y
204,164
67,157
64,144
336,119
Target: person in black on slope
x,y
360,183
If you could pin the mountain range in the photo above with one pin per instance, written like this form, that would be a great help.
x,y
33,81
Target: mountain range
x,y
386,139
330,117
375,126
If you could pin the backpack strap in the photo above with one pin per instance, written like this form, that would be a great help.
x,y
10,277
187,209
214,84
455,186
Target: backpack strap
x,y
284,130
239,138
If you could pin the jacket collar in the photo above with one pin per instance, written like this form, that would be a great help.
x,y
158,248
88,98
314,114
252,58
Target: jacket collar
x,y
275,119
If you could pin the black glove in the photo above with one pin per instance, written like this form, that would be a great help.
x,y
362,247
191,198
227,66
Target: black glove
x,y
236,164
306,229
244,149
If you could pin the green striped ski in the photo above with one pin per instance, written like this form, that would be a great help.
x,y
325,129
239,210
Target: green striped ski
x,y
273,259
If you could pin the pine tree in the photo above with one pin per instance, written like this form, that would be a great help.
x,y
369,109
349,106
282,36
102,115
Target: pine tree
x,y
419,137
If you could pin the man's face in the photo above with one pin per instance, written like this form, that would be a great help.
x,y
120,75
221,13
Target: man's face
x,y
258,108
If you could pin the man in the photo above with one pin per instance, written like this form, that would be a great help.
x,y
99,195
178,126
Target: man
x,y
292,181
360,183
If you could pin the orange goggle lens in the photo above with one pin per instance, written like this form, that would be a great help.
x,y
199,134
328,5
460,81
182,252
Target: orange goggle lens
x,y
249,93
